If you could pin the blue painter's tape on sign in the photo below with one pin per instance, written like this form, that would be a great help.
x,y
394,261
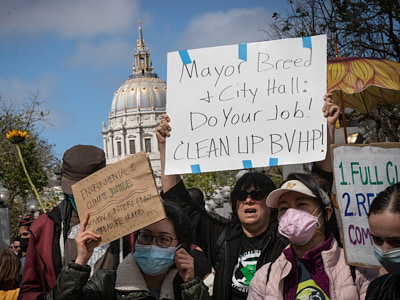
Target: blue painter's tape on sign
x,y
243,52
273,161
307,42
195,169
247,164
185,57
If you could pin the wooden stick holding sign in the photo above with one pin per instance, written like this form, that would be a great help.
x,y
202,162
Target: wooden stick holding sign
x,y
361,172
121,199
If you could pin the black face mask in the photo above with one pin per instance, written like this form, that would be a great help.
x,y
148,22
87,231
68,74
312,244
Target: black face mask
x,y
24,244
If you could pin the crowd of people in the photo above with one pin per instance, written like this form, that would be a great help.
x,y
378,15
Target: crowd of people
x,y
279,243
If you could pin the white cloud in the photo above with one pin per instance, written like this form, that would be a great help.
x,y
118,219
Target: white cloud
x,y
17,90
73,18
225,28
102,54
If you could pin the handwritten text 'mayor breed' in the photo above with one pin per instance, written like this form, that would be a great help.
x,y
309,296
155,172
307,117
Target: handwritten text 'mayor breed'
x,y
264,63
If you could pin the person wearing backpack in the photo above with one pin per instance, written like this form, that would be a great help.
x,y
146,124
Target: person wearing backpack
x,y
313,265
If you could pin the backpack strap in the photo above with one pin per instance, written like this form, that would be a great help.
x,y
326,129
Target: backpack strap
x,y
219,247
353,273
268,273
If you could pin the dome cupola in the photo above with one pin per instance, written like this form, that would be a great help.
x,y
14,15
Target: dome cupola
x,y
143,91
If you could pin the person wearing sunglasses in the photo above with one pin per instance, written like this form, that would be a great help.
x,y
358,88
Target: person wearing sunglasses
x,y
237,247
384,224
159,268
313,266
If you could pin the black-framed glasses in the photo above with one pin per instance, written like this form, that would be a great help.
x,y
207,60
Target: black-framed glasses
x,y
241,195
163,241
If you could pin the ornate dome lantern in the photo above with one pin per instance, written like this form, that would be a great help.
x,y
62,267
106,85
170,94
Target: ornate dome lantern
x,y
136,110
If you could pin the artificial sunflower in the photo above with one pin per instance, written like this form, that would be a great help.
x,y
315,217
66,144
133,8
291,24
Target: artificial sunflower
x,y
17,136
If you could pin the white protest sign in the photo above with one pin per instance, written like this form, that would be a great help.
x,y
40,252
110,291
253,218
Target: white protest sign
x,y
361,172
247,105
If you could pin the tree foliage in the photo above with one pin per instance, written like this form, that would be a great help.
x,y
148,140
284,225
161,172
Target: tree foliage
x,y
359,28
212,181
369,28
37,152
209,182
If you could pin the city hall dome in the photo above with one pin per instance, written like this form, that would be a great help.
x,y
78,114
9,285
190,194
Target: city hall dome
x,y
143,90
136,111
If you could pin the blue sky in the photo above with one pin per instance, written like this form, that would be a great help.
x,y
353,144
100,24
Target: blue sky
x,y
79,52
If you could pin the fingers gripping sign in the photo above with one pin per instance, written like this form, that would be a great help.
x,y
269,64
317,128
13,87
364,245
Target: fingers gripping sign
x,y
81,240
331,110
185,265
163,130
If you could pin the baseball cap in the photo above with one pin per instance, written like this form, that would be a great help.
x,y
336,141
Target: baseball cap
x,y
79,162
293,186
26,221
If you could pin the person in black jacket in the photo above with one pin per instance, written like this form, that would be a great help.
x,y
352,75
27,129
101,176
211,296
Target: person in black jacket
x,y
159,268
384,224
239,246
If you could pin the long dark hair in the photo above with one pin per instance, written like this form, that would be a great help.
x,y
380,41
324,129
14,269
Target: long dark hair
x,y
387,200
258,180
181,224
316,184
10,266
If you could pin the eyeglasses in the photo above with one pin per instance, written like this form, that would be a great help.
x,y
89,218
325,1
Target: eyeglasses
x,y
241,195
163,241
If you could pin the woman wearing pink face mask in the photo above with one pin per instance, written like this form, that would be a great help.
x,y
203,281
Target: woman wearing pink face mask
x,y
313,265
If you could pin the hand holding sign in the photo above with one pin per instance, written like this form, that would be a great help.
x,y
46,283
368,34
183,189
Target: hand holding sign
x,y
81,240
121,199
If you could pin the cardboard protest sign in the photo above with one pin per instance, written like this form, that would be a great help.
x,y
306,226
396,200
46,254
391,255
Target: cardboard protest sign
x,y
247,105
121,198
361,172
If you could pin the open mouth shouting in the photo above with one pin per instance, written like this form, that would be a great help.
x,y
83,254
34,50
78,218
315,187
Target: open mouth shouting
x,y
251,211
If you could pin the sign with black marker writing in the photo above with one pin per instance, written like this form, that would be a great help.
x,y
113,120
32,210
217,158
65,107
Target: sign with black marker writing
x,y
121,198
247,105
361,172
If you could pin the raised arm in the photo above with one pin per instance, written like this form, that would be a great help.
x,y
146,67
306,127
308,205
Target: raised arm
x,y
72,281
331,113
162,132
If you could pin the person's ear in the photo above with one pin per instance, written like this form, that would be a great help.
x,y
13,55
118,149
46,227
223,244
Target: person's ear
x,y
329,211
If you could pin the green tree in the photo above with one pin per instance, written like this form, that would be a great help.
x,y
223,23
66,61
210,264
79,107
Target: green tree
x,y
360,28
369,28
37,152
209,182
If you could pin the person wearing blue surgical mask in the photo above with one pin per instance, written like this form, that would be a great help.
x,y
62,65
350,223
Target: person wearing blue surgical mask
x,y
384,224
159,268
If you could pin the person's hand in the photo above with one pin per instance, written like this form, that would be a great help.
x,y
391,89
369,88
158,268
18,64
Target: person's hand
x,y
331,110
163,130
185,264
81,239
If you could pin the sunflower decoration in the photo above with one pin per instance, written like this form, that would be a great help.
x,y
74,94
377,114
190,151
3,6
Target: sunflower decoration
x,y
365,82
16,137
49,205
